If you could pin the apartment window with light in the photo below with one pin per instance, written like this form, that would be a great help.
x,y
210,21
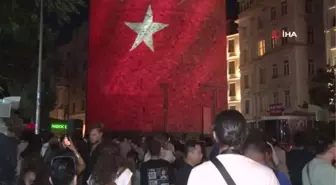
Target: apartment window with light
x,y
261,48
262,76
286,68
246,82
232,107
309,6
231,46
284,40
287,98
232,67
275,98
232,90
311,67
275,71
273,13
310,35
247,107
283,7
273,43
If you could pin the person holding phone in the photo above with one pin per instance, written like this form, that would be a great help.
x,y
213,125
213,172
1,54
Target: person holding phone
x,y
67,148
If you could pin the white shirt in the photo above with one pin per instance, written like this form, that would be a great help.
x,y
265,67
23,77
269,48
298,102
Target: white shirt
x,y
242,170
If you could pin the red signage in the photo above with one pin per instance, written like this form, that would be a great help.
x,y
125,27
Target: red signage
x,y
276,109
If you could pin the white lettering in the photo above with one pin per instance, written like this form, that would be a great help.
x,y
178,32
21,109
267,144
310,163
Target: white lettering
x,y
288,34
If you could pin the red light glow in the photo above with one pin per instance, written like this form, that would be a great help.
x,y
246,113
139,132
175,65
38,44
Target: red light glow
x,y
125,90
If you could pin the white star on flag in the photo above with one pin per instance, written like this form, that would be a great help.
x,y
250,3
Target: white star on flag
x,y
145,30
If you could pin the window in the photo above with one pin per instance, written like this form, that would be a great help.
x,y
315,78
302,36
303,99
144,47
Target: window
x,y
284,7
247,107
246,82
274,43
310,35
275,98
261,48
245,56
232,67
275,71
311,67
284,40
261,104
286,67
231,46
232,107
83,105
287,98
273,13
73,107
232,90
309,6
262,76
259,23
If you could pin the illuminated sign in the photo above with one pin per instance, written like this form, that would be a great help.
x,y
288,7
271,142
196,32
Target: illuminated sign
x,y
59,126
277,34
30,126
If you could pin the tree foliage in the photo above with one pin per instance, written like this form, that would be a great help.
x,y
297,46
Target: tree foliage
x,y
323,92
19,30
19,33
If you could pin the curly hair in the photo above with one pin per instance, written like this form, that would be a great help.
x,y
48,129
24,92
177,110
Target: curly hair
x,y
109,163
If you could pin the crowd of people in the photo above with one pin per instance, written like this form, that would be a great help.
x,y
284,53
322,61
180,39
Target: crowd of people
x,y
235,155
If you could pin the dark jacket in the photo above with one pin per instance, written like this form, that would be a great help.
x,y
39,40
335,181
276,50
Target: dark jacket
x,y
8,157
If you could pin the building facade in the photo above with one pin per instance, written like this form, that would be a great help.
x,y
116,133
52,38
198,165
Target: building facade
x,y
71,77
276,73
329,12
233,72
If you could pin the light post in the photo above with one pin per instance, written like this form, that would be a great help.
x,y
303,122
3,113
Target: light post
x,y
39,74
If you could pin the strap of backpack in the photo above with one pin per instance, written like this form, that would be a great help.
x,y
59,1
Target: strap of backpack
x,y
308,174
227,177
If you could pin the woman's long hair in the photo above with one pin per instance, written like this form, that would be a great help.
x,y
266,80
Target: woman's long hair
x,y
109,164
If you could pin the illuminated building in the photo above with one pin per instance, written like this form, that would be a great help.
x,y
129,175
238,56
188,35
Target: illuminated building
x,y
277,73
329,12
233,71
158,65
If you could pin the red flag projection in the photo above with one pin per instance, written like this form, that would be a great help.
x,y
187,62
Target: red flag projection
x,y
150,62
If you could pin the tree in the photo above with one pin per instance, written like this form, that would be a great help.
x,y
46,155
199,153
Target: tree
x,y
323,91
19,31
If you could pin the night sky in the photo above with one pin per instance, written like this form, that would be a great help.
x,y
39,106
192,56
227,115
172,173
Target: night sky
x,y
66,30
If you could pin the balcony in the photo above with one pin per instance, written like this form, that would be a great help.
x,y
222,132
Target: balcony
x,y
233,99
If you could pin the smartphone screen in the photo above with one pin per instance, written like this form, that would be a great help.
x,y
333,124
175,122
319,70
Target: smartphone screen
x,y
66,141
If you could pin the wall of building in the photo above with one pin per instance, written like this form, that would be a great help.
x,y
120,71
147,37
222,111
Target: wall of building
x,y
278,72
71,78
329,12
163,88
